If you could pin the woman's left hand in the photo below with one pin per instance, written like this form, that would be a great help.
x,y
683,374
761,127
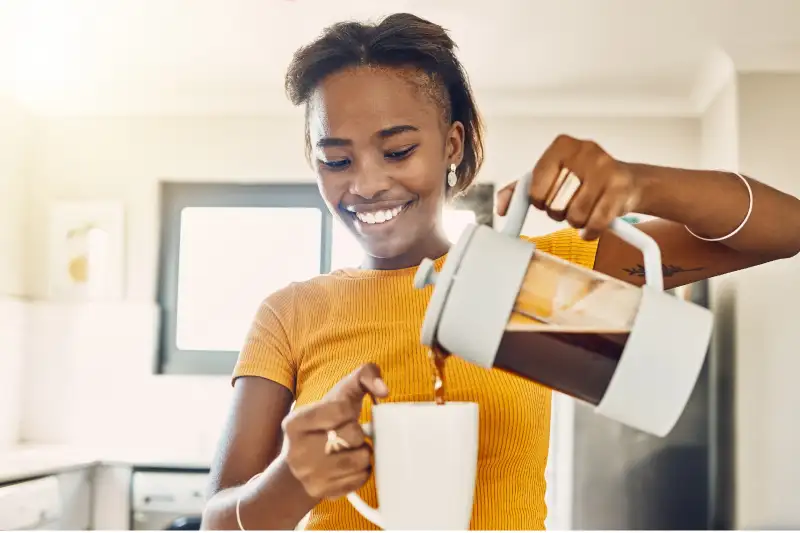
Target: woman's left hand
x,y
577,181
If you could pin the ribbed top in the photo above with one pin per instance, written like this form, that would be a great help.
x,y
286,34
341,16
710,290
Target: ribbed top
x,y
309,335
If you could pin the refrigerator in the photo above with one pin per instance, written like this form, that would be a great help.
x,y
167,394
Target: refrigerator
x,y
606,476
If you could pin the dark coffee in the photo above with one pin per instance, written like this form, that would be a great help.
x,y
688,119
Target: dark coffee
x,y
438,358
577,362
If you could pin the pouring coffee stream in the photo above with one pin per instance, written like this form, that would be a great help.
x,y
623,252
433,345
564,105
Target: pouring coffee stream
x,y
633,353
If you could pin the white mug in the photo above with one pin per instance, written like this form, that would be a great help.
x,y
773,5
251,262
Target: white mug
x,y
426,458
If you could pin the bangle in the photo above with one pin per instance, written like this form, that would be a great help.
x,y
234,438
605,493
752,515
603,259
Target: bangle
x,y
746,217
239,501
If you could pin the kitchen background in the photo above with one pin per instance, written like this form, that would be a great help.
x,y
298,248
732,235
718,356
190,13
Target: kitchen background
x,y
102,103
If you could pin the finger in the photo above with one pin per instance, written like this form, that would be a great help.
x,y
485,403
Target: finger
x,y
607,209
548,169
322,416
364,380
351,433
503,198
589,160
580,208
345,485
347,462
560,199
546,176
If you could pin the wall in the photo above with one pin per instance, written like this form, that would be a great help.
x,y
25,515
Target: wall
x,y
767,335
90,368
16,130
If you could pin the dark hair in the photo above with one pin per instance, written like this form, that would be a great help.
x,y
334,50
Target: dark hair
x,y
401,40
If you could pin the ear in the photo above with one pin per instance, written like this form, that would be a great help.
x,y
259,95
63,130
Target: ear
x,y
454,143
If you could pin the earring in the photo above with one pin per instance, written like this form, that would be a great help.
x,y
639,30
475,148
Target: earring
x,y
452,179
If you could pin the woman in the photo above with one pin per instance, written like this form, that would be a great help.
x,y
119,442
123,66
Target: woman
x,y
393,131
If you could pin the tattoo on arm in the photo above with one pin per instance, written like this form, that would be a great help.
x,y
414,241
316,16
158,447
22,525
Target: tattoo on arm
x,y
668,270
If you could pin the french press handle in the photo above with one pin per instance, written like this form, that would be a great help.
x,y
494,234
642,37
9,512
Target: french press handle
x,y
518,210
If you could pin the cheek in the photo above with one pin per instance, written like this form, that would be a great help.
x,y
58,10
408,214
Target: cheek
x,y
423,176
331,190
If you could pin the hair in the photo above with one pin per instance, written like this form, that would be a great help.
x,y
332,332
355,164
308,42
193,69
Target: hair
x,y
399,41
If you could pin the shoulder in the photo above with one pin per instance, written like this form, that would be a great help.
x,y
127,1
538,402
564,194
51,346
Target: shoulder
x,y
568,245
275,339
284,302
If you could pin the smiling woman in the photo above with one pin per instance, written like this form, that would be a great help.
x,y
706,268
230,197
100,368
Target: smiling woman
x,y
393,134
386,162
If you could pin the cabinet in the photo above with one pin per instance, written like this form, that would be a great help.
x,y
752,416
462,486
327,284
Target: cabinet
x,y
75,488
54,502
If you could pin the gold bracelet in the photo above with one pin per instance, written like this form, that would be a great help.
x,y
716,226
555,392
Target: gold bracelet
x,y
239,501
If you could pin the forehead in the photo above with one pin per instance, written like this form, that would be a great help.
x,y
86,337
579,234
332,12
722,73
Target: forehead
x,y
361,101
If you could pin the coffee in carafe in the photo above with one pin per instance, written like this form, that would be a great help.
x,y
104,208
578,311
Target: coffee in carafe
x,y
634,353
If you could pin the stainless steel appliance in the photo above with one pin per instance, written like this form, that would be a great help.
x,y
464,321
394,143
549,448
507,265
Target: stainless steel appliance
x,y
608,476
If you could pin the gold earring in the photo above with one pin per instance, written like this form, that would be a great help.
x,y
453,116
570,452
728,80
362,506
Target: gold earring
x,y
452,179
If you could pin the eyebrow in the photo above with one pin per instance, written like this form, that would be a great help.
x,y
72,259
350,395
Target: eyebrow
x,y
383,134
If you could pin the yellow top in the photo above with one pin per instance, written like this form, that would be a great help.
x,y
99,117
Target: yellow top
x,y
310,335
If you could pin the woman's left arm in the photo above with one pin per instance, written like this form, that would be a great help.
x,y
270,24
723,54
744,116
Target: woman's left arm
x,y
712,204
578,181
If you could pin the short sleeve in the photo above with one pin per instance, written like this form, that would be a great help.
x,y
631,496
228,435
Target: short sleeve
x,y
267,351
568,245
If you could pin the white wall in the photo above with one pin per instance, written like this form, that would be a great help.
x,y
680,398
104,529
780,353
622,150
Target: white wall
x,y
16,130
767,335
89,376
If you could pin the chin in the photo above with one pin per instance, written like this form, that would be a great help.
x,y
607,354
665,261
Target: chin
x,y
387,250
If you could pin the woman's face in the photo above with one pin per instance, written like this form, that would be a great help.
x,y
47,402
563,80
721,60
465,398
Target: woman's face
x,y
382,149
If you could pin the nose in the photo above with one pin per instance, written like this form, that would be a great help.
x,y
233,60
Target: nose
x,y
370,179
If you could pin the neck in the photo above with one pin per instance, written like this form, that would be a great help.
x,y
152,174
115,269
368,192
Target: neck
x,y
434,247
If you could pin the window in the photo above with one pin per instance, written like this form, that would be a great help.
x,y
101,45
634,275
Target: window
x,y
225,247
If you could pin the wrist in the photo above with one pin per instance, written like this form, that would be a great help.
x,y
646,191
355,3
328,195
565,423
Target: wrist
x,y
274,500
288,480
648,189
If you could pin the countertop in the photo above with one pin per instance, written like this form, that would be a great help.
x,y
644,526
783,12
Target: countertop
x,y
29,461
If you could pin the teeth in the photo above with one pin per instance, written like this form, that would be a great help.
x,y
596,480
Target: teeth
x,y
377,217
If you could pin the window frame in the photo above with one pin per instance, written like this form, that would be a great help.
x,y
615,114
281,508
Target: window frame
x,y
177,195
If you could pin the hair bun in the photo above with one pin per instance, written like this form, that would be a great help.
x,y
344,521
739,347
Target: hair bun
x,y
415,28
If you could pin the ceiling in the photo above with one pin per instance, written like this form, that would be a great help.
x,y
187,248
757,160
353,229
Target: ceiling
x,y
177,57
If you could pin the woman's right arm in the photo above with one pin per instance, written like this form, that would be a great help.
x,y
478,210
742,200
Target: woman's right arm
x,y
251,442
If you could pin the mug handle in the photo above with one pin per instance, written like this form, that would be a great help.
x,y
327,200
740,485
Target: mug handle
x,y
370,513
653,272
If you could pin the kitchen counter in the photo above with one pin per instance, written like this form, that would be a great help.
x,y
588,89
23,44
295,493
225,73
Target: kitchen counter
x,y
29,461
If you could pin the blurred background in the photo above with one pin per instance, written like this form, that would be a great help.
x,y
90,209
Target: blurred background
x,y
143,141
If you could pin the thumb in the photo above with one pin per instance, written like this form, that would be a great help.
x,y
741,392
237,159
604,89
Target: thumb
x,y
503,198
364,380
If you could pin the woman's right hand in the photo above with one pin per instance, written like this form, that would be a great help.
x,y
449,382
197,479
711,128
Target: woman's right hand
x,y
306,429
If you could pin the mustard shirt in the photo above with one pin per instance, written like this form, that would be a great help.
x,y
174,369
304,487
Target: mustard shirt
x,y
310,335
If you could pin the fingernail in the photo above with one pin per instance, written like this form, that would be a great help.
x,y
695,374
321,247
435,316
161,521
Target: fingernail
x,y
380,387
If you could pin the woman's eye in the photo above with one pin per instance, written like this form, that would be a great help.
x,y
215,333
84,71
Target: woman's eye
x,y
400,154
337,164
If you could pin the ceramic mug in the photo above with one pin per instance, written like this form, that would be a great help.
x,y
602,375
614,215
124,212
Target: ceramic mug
x,y
426,458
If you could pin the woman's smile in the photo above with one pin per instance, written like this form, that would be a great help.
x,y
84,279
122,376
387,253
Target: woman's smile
x,y
376,218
